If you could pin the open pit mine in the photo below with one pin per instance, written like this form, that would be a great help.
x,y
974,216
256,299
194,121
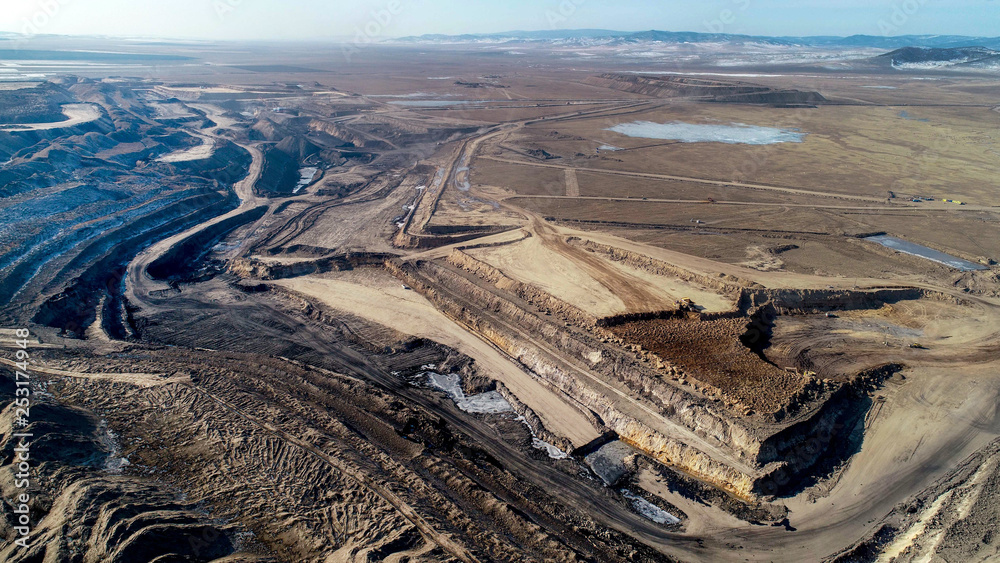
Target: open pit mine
x,y
272,313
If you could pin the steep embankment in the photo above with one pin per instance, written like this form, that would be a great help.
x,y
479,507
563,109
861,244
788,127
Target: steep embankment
x,y
674,414
182,258
601,378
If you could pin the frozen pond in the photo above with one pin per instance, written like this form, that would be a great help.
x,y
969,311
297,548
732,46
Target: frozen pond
x,y
306,178
490,402
905,247
906,115
649,510
733,134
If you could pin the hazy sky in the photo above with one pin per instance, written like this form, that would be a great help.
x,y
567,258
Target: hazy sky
x,y
312,19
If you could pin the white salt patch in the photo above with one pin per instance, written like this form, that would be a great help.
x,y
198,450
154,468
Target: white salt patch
x,y
490,402
649,510
735,133
608,148
553,451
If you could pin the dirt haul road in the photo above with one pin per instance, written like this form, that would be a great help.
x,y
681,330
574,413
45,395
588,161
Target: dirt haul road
x,y
139,283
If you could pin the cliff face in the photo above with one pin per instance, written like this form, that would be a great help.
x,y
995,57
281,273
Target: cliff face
x,y
251,268
607,355
596,372
730,286
649,402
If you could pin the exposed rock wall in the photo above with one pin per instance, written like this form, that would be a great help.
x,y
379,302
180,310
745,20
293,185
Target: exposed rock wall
x,y
495,318
747,294
667,87
512,316
532,420
180,257
411,241
529,293
257,269
725,284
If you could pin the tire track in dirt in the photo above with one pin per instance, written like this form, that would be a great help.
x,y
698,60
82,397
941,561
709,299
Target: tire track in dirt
x,y
402,507
147,380
638,295
572,184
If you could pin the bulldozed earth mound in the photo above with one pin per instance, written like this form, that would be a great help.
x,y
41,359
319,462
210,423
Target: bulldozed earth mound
x,y
33,105
718,353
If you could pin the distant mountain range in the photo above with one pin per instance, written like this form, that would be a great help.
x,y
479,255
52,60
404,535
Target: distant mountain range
x,y
592,37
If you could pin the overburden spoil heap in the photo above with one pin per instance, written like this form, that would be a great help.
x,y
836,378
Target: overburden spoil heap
x,y
717,410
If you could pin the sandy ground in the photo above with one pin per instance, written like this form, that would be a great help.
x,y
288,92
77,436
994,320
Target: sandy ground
x,y
379,297
215,113
200,152
76,114
531,262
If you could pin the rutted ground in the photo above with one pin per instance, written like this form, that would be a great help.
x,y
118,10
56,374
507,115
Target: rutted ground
x,y
263,362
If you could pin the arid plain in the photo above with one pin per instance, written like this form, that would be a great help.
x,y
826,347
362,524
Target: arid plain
x,y
471,303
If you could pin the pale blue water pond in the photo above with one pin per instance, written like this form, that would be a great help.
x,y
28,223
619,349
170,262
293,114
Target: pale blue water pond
x,y
733,134
912,249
